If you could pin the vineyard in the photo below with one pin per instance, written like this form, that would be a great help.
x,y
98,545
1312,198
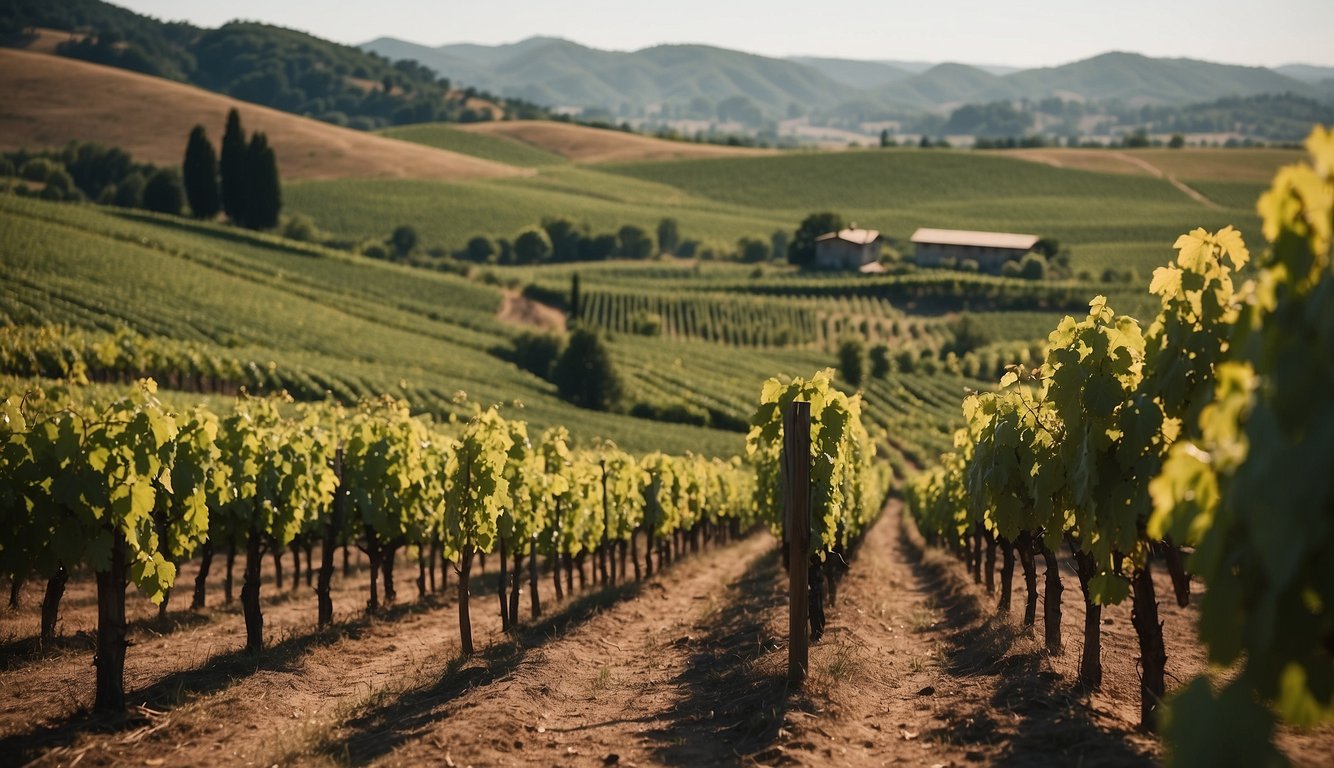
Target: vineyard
x,y
1133,444
359,523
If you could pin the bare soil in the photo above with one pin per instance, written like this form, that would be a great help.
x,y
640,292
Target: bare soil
x,y
64,100
685,668
521,310
583,144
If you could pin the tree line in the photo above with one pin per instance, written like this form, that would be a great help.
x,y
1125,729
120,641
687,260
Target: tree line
x,y
242,181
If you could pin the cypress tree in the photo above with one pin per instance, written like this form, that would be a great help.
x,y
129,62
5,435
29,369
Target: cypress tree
x,y
201,175
263,199
233,168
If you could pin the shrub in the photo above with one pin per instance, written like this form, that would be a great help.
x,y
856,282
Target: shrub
x,y
531,246
480,249
163,193
880,363
1033,267
130,191
301,227
852,361
645,323
536,352
404,240
37,169
583,374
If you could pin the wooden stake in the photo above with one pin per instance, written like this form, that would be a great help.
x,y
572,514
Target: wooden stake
x,y
797,508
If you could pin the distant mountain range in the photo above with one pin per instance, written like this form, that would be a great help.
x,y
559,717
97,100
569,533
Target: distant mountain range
x,y
692,78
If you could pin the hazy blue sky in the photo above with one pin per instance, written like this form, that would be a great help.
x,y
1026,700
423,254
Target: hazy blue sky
x,y
1019,32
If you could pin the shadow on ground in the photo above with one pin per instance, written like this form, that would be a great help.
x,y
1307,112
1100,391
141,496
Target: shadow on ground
x,y
381,729
1049,720
735,684
213,674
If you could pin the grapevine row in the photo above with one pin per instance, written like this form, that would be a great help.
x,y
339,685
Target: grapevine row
x,y
130,488
1211,428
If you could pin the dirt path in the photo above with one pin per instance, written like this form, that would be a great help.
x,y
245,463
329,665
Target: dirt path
x,y
180,675
518,309
690,670
687,668
628,685
920,668
1154,171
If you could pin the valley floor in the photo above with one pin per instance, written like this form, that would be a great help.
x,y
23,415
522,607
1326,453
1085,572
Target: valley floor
x,y
684,668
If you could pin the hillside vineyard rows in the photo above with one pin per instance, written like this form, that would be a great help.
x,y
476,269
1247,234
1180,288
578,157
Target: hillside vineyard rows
x,y
132,488
1128,444
261,433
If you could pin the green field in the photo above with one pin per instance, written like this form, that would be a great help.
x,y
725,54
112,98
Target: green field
x,y
1103,218
498,149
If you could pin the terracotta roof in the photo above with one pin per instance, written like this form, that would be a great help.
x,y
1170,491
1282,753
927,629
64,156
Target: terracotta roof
x,y
980,239
858,236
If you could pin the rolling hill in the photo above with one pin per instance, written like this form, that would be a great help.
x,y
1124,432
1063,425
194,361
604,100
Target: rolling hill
x,y
54,100
946,86
857,74
564,73
1139,79
1307,73
264,64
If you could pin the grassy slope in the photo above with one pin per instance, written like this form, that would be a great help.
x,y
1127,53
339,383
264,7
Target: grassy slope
x,y
1255,166
54,100
448,214
1107,219
583,144
499,149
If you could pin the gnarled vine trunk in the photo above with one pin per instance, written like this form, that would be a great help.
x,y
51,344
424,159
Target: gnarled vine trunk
x,y
254,618
1006,574
1090,662
55,590
532,578
332,526
465,620
1051,602
1026,561
504,603
1152,653
227,578
110,658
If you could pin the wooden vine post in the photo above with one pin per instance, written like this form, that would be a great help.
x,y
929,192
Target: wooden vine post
x,y
797,507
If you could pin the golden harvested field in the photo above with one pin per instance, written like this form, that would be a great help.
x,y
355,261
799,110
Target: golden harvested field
x,y
50,101
1195,164
596,145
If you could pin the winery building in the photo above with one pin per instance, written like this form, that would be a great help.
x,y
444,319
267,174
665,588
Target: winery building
x,y
990,250
850,248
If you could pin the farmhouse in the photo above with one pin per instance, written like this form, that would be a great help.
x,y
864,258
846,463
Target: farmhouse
x,y
989,249
850,248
